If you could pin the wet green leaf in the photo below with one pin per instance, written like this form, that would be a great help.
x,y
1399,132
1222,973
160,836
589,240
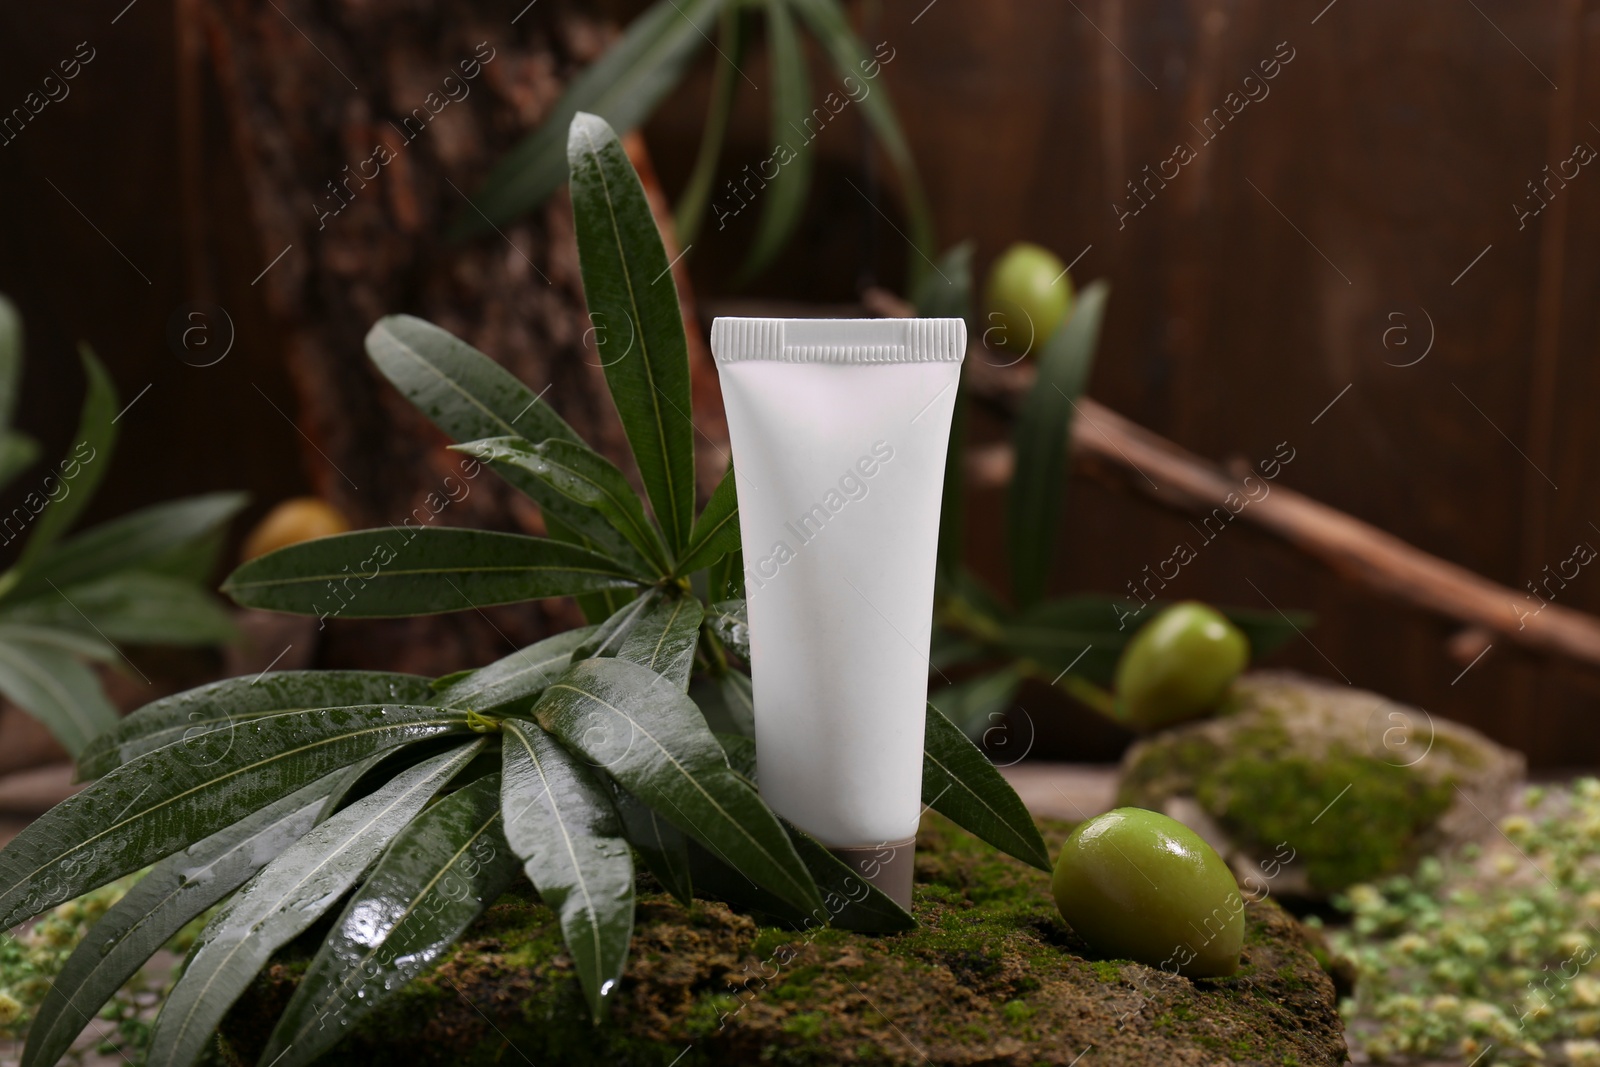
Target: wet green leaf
x,y
664,639
417,571
661,845
1042,439
730,621
169,799
443,870
633,303
727,700
205,718
289,894
960,783
515,681
585,477
560,822
716,532
608,637
470,397
174,891
651,738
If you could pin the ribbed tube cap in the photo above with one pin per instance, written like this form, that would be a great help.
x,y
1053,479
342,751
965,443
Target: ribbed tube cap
x,y
839,340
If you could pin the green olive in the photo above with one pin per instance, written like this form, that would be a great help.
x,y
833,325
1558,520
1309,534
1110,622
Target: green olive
x,y
1137,885
1178,666
1027,296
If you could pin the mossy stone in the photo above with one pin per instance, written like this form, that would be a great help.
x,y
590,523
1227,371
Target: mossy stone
x,y
990,976
1307,787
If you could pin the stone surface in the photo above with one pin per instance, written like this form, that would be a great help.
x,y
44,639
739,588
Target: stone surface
x,y
991,976
1314,786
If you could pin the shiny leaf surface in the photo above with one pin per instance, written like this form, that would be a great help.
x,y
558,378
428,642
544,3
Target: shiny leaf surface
x,y
174,891
560,822
517,680
470,397
443,870
197,716
633,303
661,845
585,477
422,571
651,739
730,621
162,801
608,637
286,897
960,783
664,639
716,531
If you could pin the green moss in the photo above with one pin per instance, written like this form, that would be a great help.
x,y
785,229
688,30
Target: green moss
x,y
990,975
1263,802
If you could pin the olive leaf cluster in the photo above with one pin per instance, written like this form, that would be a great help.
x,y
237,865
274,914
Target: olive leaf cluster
x,y
406,805
67,598
995,642
653,56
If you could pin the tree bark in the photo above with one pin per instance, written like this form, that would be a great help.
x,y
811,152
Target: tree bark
x,y
362,131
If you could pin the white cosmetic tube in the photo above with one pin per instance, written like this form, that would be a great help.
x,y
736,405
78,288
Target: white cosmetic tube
x,y
839,429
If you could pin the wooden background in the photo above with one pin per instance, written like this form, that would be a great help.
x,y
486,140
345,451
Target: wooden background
x,y
1372,190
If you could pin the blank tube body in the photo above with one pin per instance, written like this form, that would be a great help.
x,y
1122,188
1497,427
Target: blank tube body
x,y
839,429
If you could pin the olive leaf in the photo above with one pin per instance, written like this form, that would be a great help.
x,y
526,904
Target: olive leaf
x,y
418,571
155,805
960,783
607,637
585,477
651,738
160,904
515,681
133,541
662,846
785,197
438,875
624,87
559,820
62,692
91,455
285,898
730,621
664,639
716,531
471,397
205,719
1041,439
633,303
